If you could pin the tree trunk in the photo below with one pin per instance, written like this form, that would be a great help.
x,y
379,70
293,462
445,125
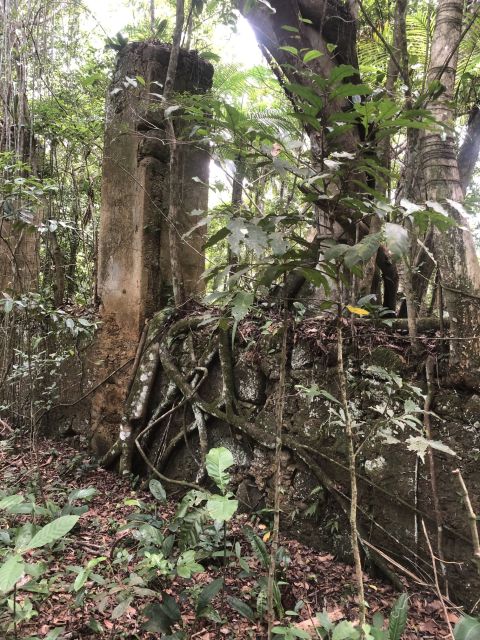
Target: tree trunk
x,y
172,218
454,250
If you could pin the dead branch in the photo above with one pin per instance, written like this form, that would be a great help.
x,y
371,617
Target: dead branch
x,y
472,518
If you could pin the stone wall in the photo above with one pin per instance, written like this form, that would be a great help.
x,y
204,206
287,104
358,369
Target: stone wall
x,y
394,484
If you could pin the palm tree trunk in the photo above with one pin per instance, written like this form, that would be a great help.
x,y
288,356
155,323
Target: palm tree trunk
x,y
454,250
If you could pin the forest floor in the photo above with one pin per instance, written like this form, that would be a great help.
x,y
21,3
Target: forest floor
x,y
312,577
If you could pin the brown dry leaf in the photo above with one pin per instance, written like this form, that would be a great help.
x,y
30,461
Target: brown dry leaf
x,y
453,617
327,557
308,625
428,626
334,615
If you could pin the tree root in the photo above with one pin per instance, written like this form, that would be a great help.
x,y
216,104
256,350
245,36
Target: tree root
x,y
267,440
112,455
227,411
123,447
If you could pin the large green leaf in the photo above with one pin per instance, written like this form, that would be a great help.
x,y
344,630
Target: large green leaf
x,y
467,628
217,462
398,617
219,235
157,490
241,305
82,494
207,594
221,508
11,501
52,532
398,240
363,250
10,572
242,607
345,630
161,617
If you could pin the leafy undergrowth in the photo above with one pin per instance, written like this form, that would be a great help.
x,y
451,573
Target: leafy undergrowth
x,y
91,584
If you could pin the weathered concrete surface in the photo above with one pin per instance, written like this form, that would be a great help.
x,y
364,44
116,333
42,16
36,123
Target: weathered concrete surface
x,y
133,255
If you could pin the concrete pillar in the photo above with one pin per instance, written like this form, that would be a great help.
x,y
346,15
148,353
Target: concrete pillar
x,y
133,248
133,254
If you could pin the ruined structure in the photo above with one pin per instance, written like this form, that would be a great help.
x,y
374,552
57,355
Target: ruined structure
x,y
225,394
133,256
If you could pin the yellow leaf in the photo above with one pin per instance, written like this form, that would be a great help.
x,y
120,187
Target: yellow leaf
x,y
358,311
266,536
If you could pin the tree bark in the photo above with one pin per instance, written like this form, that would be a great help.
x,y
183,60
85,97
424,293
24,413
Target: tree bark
x,y
453,250
172,218
470,149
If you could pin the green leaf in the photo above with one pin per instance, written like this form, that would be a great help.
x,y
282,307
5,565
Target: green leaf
x,y
258,546
348,89
397,238
24,535
186,565
398,618
336,251
221,508
242,607
306,93
363,250
161,617
217,461
95,626
325,620
288,49
52,532
11,501
219,235
467,628
207,594
84,574
291,632
420,445
157,490
317,278
82,494
345,630
10,572
121,608
312,55
241,304
36,569
328,396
